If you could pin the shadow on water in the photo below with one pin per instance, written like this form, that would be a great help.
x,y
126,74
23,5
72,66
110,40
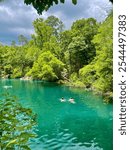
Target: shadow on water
x,y
85,125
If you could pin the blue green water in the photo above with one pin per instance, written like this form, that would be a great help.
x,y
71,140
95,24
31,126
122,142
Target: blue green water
x,y
85,125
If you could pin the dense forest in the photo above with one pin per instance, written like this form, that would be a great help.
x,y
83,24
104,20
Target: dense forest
x,y
80,56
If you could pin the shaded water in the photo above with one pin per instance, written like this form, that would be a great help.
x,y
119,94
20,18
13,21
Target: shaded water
x,y
85,125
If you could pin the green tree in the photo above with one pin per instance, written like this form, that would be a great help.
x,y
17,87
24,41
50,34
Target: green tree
x,y
13,43
56,24
99,74
16,61
1,59
31,53
47,34
104,49
88,75
41,5
43,33
77,52
7,59
65,40
77,43
47,67
22,39
53,46
19,62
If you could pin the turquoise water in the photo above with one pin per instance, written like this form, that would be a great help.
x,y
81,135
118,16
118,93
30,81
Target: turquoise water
x,y
85,125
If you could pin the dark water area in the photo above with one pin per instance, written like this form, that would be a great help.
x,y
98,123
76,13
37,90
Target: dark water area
x,y
84,125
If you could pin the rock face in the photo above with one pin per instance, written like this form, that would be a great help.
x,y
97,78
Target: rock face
x,y
5,76
26,78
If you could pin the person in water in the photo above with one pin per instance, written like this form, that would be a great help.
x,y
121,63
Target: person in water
x,y
62,99
71,100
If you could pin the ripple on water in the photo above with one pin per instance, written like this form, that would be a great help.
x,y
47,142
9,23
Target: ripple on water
x,y
63,141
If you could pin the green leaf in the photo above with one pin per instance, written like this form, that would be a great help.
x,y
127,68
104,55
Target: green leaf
x,y
25,147
11,142
62,1
74,2
13,121
56,1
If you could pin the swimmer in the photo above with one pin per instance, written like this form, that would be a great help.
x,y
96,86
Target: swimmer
x,y
62,99
71,100
7,86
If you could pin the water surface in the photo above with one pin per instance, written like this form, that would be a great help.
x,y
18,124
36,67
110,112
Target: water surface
x,y
85,125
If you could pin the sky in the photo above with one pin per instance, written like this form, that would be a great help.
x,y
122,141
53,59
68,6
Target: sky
x,y
16,18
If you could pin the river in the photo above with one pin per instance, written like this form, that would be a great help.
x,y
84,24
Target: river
x,y
84,125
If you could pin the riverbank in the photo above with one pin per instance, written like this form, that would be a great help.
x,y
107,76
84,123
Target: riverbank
x,y
107,97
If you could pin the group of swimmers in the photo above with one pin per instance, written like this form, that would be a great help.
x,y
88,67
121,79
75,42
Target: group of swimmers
x,y
71,100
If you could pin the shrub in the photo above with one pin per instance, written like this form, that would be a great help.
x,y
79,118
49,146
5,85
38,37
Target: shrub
x,y
16,125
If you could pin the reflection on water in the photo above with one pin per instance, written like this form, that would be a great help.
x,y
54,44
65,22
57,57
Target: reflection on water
x,y
85,125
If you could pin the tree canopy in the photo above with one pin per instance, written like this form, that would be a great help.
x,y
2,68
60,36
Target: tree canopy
x,y
44,5
41,5
47,67
98,74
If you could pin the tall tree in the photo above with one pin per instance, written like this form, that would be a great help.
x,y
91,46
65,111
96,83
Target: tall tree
x,y
43,33
56,24
79,47
13,43
104,49
22,39
77,52
98,74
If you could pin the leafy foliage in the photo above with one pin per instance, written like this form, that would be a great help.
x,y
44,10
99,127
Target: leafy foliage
x,y
47,67
77,43
44,5
16,124
22,39
88,75
43,33
99,73
56,24
104,42
77,50
41,5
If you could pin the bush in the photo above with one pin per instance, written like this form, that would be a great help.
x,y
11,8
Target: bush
x,y
17,73
47,67
16,124
76,81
